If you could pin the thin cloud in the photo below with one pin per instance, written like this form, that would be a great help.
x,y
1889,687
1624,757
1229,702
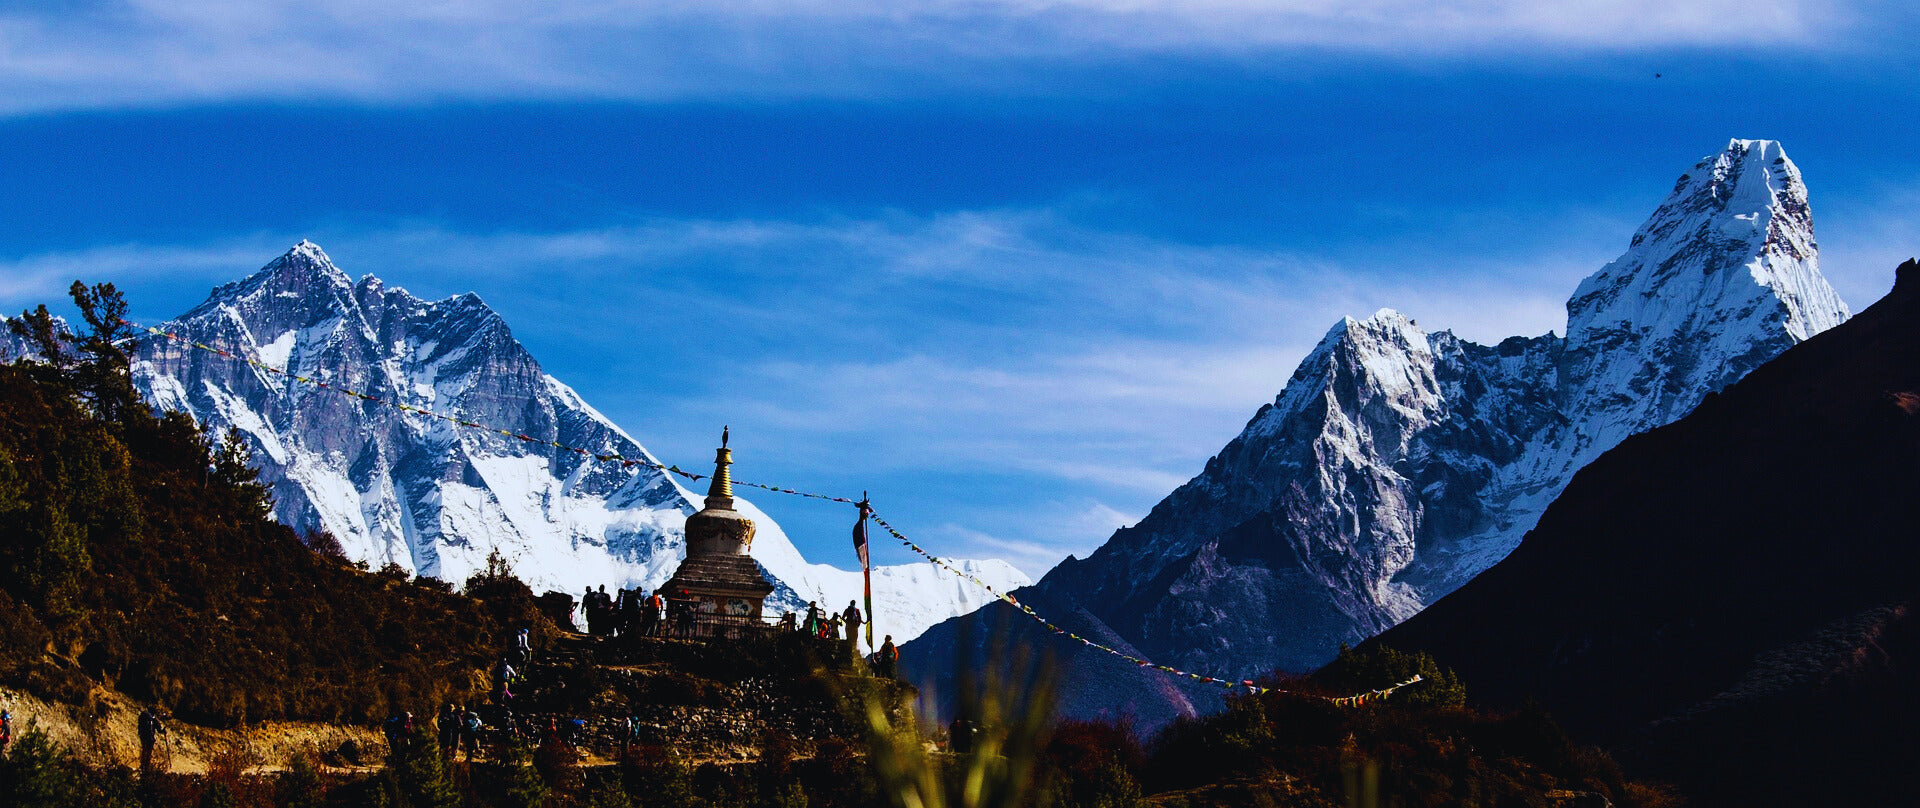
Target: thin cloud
x,y
155,53
1042,535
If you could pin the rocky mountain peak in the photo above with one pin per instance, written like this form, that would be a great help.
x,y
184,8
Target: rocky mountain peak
x,y
1396,464
438,500
299,288
1734,236
303,265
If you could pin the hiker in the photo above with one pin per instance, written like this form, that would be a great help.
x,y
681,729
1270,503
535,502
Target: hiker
x,y
630,737
589,609
812,624
503,676
627,616
509,723
6,731
523,645
151,731
399,729
889,657
790,621
656,614
853,620
603,611
470,732
649,616
830,630
448,727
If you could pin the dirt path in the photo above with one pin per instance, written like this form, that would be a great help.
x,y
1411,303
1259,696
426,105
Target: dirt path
x,y
102,733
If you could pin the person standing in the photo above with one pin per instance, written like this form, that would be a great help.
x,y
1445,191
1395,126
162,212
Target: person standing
x,y
889,658
812,624
151,731
853,619
470,732
649,616
503,677
6,731
447,727
523,645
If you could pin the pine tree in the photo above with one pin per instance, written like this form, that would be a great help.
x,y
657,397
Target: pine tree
x,y
421,773
300,786
521,786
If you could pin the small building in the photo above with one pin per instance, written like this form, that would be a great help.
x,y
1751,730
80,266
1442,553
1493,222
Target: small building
x,y
719,580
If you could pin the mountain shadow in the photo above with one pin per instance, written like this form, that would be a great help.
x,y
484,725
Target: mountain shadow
x,y
1730,600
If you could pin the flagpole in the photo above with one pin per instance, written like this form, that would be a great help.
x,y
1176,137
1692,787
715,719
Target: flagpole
x,y
866,567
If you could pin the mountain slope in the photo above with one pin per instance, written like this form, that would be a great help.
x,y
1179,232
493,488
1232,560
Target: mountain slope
x,y
1730,598
1397,463
437,499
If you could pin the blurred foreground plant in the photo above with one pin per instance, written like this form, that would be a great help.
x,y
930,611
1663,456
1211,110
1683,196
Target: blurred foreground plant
x,y
1005,707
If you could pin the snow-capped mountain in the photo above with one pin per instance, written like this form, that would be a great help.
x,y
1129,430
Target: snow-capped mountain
x,y
1398,463
436,498
11,346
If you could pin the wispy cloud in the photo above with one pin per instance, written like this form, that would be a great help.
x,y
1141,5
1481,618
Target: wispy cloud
x,y
140,53
1062,529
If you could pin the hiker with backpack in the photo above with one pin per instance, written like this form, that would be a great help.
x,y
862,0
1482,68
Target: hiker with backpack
x,y
470,727
523,645
888,658
853,619
447,727
503,678
399,731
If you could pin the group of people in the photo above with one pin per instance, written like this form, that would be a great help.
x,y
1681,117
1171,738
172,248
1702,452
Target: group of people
x,y
817,623
827,626
459,728
635,612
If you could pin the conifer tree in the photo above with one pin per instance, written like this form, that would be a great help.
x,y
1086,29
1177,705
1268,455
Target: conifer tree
x,y
39,327
521,786
300,786
104,378
421,773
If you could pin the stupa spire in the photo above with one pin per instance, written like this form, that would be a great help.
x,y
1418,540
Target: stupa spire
x,y
720,492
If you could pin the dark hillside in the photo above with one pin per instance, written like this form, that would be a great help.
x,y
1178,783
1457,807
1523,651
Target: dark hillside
x,y
135,555
1727,597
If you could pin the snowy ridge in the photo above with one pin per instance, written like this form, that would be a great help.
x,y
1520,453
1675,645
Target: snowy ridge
x,y
437,499
1396,464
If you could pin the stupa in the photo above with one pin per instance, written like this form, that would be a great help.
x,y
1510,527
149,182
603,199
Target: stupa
x,y
719,580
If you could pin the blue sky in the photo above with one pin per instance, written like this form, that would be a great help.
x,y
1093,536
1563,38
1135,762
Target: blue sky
x,y
1016,267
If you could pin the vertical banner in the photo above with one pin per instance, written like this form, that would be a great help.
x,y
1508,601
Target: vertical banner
x,y
866,567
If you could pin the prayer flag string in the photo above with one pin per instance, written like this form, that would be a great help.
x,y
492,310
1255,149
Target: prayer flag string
x,y
650,462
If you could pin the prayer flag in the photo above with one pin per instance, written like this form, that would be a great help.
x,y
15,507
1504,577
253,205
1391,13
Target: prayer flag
x,y
866,567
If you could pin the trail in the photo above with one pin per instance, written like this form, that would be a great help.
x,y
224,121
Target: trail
x,y
102,733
